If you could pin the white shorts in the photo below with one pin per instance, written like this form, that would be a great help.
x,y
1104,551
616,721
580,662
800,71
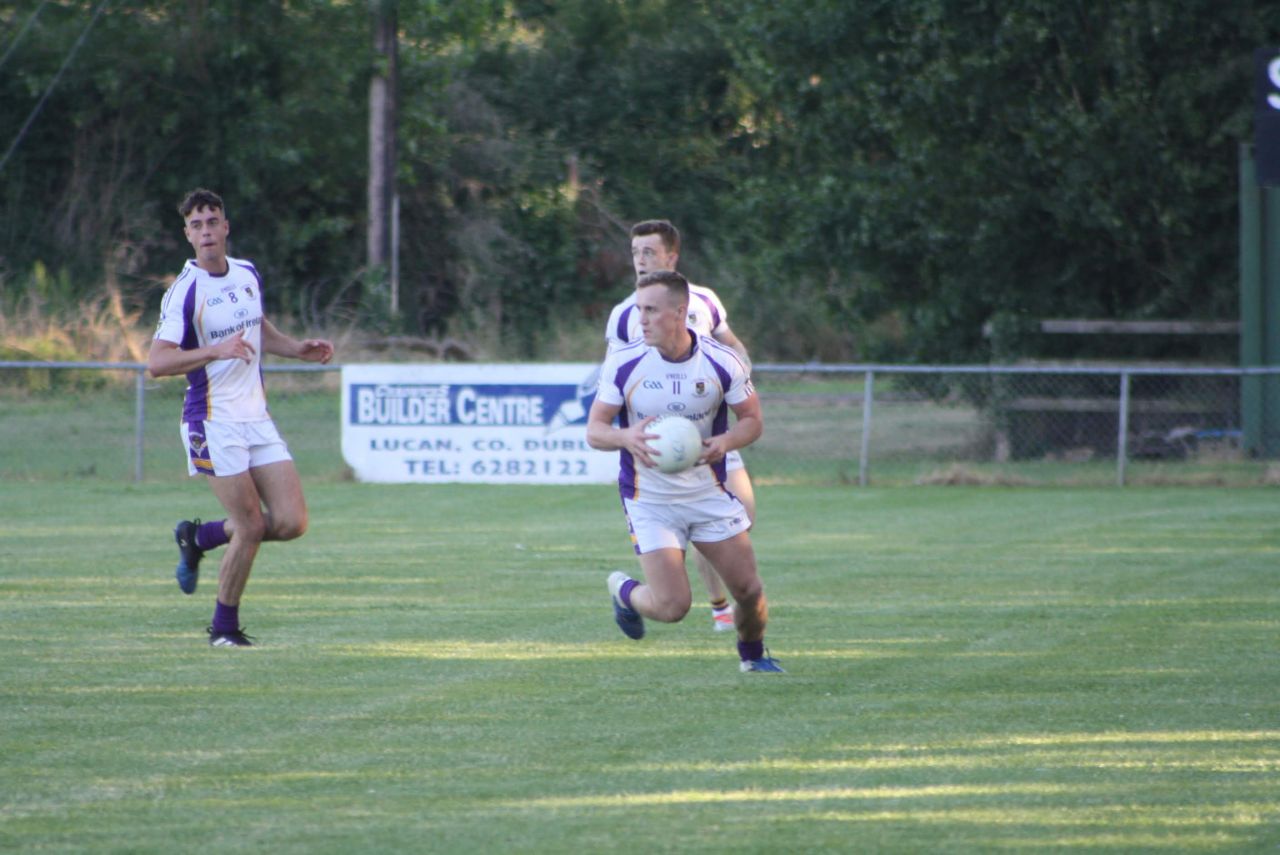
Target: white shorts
x,y
229,448
732,461
718,517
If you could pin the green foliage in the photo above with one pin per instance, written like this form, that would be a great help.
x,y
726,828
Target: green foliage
x,y
863,180
1035,160
166,97
47,287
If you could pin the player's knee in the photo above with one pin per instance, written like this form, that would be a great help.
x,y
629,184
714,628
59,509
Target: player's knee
x,y
749,593
671,609
291,527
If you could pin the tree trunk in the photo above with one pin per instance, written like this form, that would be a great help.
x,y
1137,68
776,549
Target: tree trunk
x,y
382,133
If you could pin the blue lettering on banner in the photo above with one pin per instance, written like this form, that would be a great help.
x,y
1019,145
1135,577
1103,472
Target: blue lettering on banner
x,y
410,444
462,405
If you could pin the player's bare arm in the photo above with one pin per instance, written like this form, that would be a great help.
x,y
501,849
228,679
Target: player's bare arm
x,y
603,435
279,344
167,359
746,429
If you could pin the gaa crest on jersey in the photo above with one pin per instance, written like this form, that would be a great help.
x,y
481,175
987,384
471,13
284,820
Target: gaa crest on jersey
x,y
700,389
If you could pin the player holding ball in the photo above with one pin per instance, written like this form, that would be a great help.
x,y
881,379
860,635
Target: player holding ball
x,y
676,371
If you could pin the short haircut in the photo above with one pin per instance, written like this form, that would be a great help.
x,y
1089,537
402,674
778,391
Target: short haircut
x,y
677,286
200,198
670,234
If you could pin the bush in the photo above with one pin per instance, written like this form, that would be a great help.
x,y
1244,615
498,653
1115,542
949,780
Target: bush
x,y
52,346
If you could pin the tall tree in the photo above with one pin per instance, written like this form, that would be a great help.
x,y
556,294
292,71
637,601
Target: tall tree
x,y
382,136
955,163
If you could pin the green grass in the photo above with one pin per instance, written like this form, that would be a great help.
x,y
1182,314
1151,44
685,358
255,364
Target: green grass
x,y
970,670
92,435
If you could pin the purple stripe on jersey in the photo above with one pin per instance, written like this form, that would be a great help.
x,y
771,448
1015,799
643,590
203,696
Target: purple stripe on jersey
x,y
719,425
624,373
248,265
721,372
190,338
627,488
196,407
626,461
720,421
711,307
622,323
631,529
721,470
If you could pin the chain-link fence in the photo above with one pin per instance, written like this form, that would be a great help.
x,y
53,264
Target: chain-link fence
x,y
887,424
855,424
112,421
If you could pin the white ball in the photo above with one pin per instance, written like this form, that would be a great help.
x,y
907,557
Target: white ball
x,y
678,443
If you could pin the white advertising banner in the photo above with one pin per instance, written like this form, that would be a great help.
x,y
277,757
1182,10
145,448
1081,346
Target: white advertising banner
x,y
494,424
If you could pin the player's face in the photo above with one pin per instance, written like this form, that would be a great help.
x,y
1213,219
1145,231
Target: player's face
x,y
207,231
649,253
662,319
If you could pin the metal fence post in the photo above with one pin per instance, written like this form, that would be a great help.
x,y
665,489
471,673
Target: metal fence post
x,y
865,452
1122,437
140,423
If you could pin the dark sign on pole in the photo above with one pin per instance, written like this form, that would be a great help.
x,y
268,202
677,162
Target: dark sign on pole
x,y
1266,115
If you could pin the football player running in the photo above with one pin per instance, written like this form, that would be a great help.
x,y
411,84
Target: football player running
x,y
672,369
655,245
212,329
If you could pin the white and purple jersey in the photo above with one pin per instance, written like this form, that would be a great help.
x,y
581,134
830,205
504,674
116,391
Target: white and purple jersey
x,y
706,317
700,387
202,309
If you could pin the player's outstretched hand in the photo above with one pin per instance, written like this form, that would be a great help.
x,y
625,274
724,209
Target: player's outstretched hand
x,y
315,350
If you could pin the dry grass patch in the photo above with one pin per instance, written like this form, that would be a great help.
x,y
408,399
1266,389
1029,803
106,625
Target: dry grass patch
x,y
959,475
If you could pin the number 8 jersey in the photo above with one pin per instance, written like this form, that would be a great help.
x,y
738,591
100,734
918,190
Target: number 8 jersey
x,y
202,309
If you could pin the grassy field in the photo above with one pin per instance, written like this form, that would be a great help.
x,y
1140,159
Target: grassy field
x,y
969,670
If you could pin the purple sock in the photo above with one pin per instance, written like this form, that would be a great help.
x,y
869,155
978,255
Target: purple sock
x,y
624,593
226,618
751,649
211,535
